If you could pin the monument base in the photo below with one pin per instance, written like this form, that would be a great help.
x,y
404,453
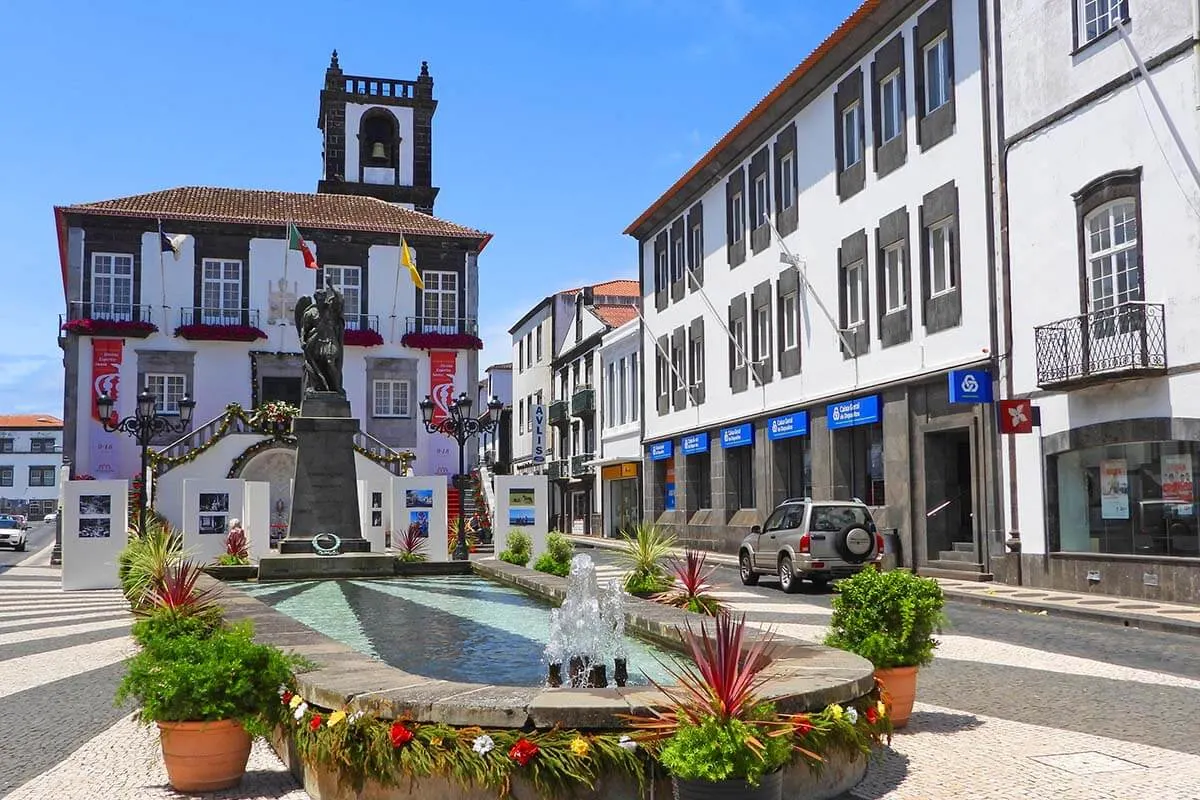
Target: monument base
x,y
299,566
304,546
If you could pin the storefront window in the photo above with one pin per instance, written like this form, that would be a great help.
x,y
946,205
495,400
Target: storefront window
x,y
1125,499
794,457
739,471
699,476
862,447
625,501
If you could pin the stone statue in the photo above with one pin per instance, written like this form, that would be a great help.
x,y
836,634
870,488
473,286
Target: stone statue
x,y
321,323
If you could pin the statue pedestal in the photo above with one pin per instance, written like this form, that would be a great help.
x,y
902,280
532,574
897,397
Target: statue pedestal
x,y
325,494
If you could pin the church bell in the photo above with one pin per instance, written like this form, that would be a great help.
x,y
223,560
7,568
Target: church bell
x,y
378,151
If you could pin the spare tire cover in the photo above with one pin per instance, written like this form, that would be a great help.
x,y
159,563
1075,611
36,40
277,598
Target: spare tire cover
x,y
854,543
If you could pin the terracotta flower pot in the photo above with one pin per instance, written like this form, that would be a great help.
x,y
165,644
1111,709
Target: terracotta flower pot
x,y
204,756
900,683
769,788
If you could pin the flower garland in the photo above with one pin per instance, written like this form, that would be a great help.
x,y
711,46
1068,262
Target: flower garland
x,y
403,458
362,338
250,452
360,747
110,327
441,341
276,412
220,333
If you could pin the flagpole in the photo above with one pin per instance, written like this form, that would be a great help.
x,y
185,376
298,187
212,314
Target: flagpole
x,y
162,281
396,284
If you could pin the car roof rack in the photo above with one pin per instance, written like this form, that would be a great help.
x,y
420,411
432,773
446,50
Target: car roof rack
x,y
798,500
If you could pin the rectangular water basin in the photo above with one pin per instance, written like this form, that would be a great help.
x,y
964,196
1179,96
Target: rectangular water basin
x,y
454,628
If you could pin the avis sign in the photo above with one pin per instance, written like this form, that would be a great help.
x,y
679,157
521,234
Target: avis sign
x,y
539,434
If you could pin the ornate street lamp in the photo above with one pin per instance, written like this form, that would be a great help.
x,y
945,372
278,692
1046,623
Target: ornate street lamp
x,y
143,426
460,426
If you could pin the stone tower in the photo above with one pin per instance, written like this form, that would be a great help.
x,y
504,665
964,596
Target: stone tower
x,y
378,137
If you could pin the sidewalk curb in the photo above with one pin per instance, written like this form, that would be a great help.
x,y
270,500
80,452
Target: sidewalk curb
x,y
1130,619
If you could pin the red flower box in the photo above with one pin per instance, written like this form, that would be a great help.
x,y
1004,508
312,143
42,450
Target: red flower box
x,y
442,341
110,327
363,338
220,333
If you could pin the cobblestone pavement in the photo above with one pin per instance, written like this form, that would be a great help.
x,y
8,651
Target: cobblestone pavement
x,y
1016,705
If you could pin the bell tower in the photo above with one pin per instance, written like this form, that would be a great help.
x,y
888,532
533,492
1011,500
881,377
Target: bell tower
x,y
378,137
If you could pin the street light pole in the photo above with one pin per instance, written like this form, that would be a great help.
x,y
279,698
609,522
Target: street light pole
x,y
143,426
460,426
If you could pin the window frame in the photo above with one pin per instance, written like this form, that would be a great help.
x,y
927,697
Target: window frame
x,y
946,225
1111,255
114,309
634,392
893,275
162,397
789,306
854,292
695,358
761,334
739,337
42,470
336,274
738,211
940,43
222,313
851,120
787,180
663,270
894,78
11,471
392,399
1116,10
762,203
438,294
679,254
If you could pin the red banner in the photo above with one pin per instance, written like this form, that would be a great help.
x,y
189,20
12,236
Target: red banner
x,y
106,369
441,381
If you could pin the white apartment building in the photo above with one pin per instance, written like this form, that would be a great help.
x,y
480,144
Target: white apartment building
x,y
619,459
1101,200
535,338
497,381
30,457
856,327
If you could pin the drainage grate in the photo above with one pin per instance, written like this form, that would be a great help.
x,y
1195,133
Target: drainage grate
x,y
1090,762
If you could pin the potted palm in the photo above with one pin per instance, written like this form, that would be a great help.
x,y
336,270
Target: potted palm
x,y
718,740
642,555
889,618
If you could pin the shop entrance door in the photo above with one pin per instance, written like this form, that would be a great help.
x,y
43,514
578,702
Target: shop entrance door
x,y
950,498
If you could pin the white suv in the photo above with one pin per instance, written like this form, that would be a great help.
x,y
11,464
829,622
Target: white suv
x,y
804,538
12,534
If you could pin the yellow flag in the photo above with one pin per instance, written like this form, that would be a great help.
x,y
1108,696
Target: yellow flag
x,y
407,260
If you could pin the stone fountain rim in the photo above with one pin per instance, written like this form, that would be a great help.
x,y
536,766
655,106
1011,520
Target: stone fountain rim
x,y
804,677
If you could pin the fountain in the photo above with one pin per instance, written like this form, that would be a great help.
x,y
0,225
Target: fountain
x,y
587,631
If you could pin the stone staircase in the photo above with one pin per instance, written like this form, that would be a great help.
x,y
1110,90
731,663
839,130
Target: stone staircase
x,y
961,563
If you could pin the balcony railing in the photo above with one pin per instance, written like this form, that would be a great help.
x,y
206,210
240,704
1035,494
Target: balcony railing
x,y
109,312
558,470
377,87
362,322
447,326
218,316
558,412
583,402
1126,341
580,465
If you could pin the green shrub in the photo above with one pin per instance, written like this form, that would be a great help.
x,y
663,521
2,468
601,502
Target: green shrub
x,y
185,672
557,558
143,564
518,548
888,618
718,751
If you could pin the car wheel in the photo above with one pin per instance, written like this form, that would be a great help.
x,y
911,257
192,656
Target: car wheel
x,y
749,576
787,578
20,548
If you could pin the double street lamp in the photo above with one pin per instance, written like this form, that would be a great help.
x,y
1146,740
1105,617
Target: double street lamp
x,y
460,426
143,426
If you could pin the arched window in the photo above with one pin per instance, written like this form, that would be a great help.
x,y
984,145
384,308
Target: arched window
x,y
1114,271
378,140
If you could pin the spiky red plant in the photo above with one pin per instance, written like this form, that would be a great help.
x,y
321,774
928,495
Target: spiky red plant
x,y
177,591
411,544
236,543
691,586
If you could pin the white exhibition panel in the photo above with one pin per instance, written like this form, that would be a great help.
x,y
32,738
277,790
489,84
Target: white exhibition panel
x,y
208,505
95,529
522,504
375,512
256,518
422,499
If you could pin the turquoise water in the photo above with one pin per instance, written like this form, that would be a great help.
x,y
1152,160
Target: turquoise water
x,y
459,628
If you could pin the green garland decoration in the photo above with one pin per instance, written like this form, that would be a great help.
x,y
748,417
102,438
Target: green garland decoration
x,y
359,747
403,457
160,462
288,442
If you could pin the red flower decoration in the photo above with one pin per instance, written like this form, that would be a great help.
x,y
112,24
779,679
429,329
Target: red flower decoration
x,y
315,723
872,715
523,751
362,338
400,735
220,333
803,726
441,341
286,697
109,327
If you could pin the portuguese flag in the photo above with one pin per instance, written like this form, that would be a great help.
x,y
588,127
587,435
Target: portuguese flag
x,y
296,242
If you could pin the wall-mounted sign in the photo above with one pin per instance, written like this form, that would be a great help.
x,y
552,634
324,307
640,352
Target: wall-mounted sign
x,y
661,451
539,434
848,413
787,426
970,386
737,435
696,443
1016,416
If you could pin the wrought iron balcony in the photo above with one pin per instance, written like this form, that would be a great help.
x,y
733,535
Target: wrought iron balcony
x,y
109,312
362,322
1126,341
558,470
558,412
583,402
580,466
219,316
446,326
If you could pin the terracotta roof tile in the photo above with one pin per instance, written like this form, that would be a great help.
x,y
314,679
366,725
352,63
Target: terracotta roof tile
x,y
622,287
616,316
29,421
257,206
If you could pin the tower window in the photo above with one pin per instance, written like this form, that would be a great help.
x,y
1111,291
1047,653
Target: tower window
x,y
377,139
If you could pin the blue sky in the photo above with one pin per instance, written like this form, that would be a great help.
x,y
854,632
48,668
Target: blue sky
x,y
559,121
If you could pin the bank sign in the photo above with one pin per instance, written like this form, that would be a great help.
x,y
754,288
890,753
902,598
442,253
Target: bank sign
x,y
970,386
696,443
788,425
737,435
848,413
661,451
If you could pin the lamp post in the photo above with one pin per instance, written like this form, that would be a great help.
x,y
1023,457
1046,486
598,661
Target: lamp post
x,y
460,426
143,426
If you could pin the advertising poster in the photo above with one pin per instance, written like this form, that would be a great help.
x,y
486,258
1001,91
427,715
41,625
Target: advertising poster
x,y
441,381
1177,484
418,498
421,520
1114,489
520,497
106,377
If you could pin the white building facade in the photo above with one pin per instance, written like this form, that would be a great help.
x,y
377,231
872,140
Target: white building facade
x,y
534,340
1103,215
30,458
494,447
819,360
618,461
